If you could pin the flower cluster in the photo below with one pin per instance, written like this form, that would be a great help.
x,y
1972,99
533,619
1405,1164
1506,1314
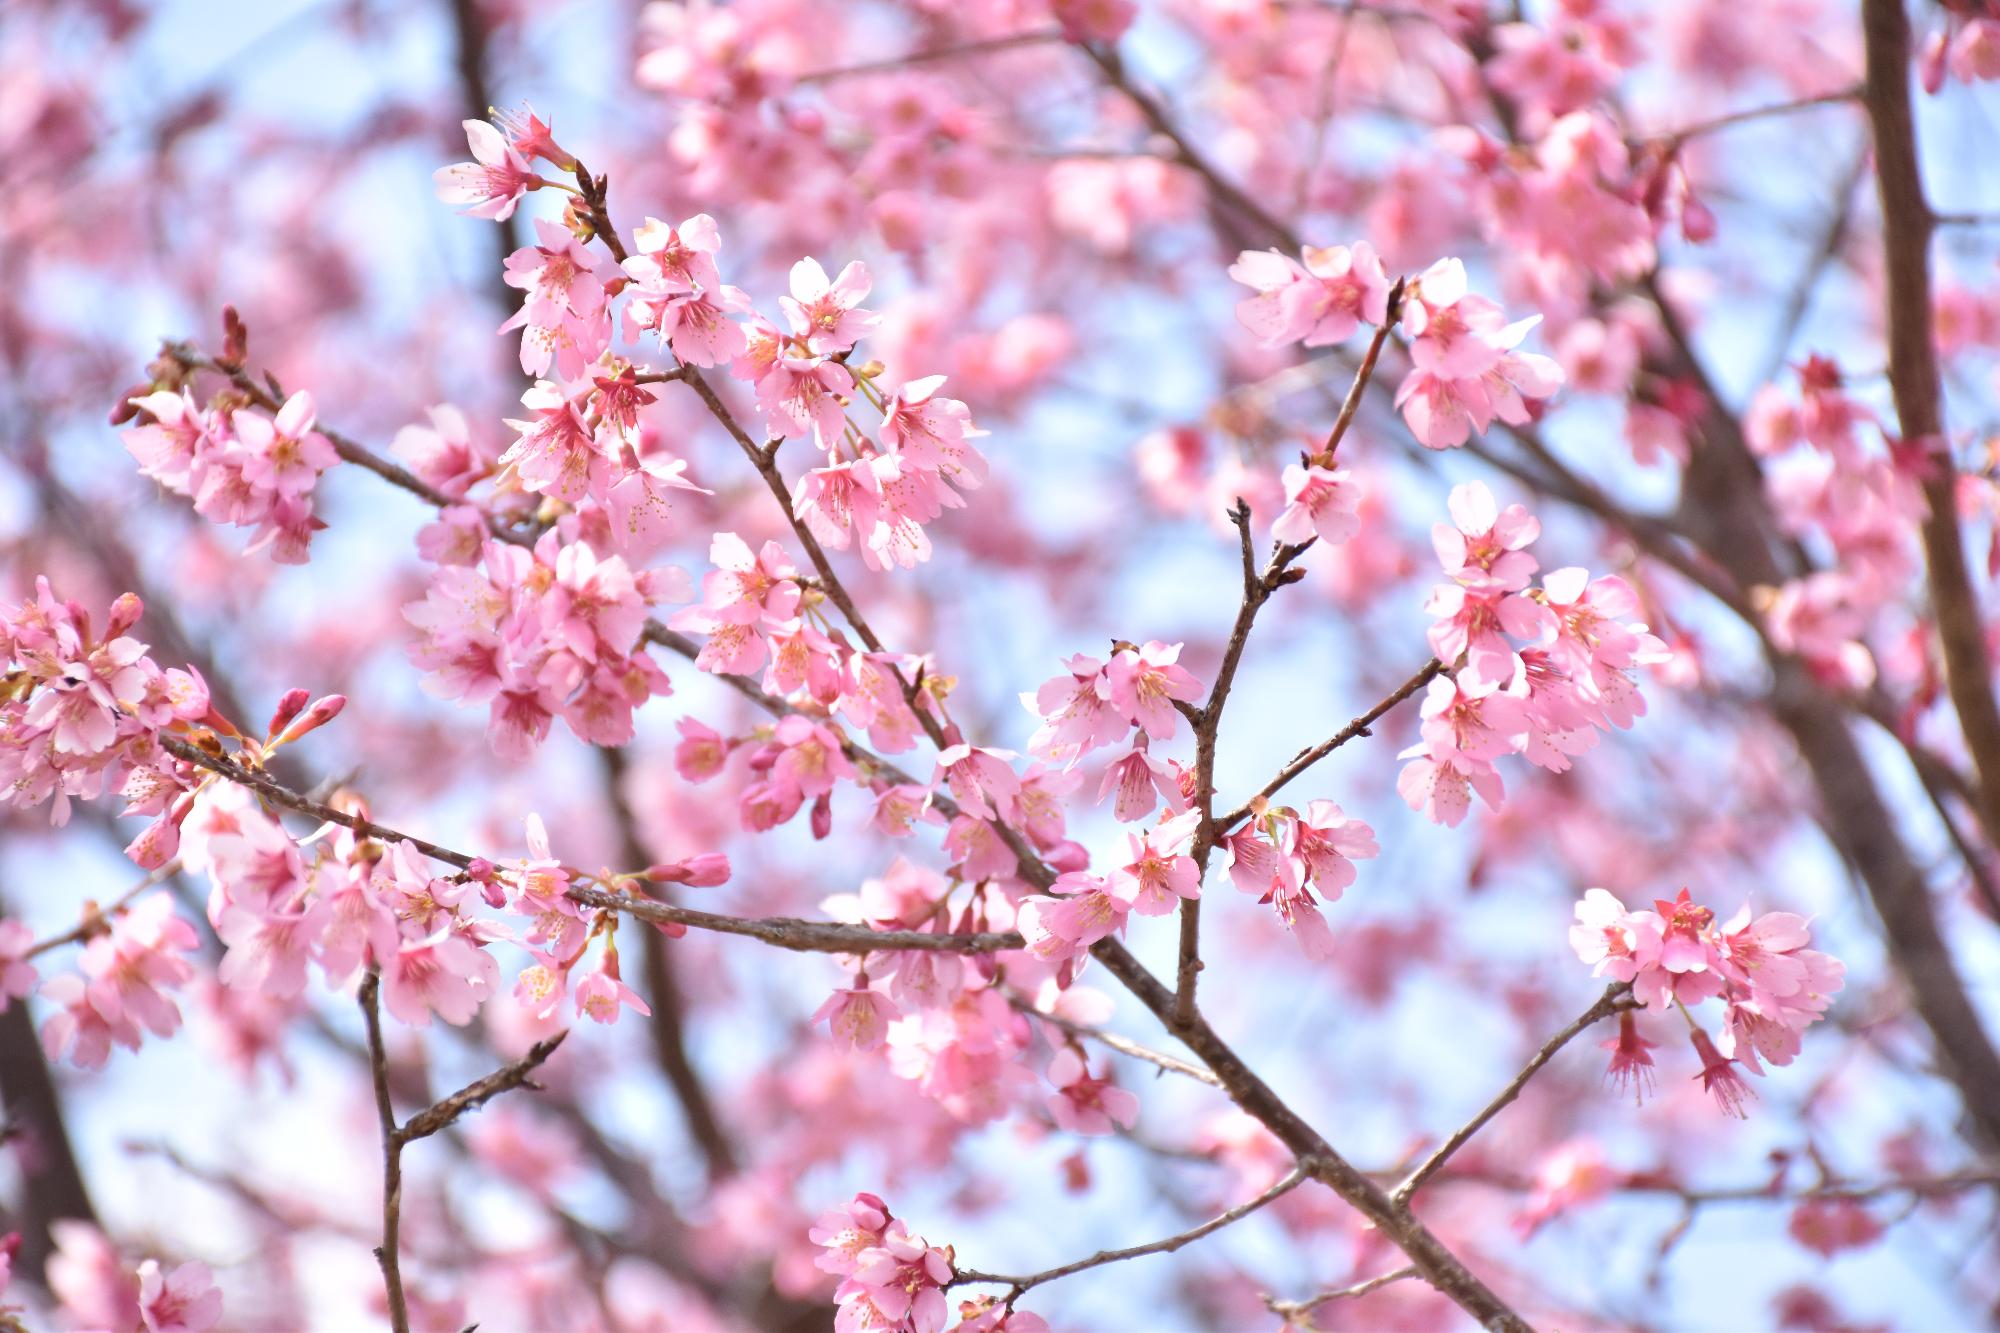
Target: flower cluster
x,y
537,633
1864,505
1772,986
238,465
1084,908
890,1280
491,185
942,1020
123,989
1282,856
355,904
580,443
1098,703
81,714
889,488
1544,698
563,314
1467,370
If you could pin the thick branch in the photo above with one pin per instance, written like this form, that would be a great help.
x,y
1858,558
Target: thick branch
x,y
1917,386
1438,1265
54,1186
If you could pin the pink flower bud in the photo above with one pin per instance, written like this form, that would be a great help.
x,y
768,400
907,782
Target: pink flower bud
x,y
322,712
1697,221
822,815
706,870
288,708
125,613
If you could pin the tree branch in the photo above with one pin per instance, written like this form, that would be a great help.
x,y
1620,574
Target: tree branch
x,y
1607,1004
1917,386
480,1091
389,1253
1292,1311
1299,1175
422,1125
1123,1045
1306,758
784,932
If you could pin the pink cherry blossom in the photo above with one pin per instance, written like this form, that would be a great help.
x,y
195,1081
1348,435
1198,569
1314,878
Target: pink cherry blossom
x,y
857,1017
1084,1104
1320,502
1160,873
1143,684
491,185
183,1301
826,316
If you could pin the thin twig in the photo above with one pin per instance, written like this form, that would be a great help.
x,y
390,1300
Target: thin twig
x,y
1123,1045
1207,722
98,919
1675,138
1292,1311
1299,1175
1366,371
985,46
1607,1004
480,1091
1306,758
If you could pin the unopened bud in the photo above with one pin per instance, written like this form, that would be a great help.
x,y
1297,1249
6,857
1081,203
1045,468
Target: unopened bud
x,y
125,613
125,409
288,708
322,712
235,338
704,871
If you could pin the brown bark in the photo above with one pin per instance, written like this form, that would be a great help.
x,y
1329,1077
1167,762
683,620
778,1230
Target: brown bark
x,y
54,1182
1918,389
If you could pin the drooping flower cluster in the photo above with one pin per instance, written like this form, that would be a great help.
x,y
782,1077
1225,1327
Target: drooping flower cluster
x,y
1544,697
1282,855
239,465
81,714
890,1280
538,633
124,987
941,1018
1675,954
1467,371
1965,45
884,494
